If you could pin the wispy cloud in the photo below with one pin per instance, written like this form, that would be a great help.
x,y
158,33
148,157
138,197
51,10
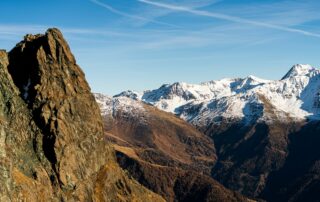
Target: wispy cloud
x,y
19,30
22,29
228,18
124,42
156,12
283,12
124,14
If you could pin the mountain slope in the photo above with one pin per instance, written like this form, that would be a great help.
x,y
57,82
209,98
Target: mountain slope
x,y
156,136
163,152
177,184
51,132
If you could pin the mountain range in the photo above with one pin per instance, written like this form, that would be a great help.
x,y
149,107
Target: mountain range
x,y
263,134
295,96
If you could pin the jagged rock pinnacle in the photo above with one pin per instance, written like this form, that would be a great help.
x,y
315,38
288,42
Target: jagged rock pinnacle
x,y
52,144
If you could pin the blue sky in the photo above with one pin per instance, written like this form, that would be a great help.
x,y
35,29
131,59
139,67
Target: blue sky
x,y
141,44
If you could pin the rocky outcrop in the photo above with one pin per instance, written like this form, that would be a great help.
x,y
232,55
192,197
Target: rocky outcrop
x,y
52,146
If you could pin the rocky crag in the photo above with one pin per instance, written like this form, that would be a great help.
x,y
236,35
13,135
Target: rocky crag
x,y
52,146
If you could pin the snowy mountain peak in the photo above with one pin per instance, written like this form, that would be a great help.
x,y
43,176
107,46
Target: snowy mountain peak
x,y
178,89
255,79
129,107
301,70
130,94
248,83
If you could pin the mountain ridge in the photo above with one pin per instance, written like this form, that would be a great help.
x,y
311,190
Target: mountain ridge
x,y
290,95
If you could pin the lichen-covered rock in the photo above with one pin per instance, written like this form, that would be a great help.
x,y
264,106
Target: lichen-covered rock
x,y
51,133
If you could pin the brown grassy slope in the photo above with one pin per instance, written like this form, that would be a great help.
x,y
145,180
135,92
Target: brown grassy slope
x,y
176,184
167,155
162,139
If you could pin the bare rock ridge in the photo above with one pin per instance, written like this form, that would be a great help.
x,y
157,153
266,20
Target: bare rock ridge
x,y
52,146
56,92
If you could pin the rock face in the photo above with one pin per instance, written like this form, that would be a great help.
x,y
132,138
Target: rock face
x,y
52,146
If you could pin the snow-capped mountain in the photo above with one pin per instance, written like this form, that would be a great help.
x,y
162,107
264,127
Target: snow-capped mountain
x,y
259,128
128,107
295,96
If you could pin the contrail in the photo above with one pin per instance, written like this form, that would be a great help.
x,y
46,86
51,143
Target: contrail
x,y
113,10
228,18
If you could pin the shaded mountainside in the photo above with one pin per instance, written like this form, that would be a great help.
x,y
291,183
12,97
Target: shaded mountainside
x,y
274,160
162,152
299,177
52,146
176,184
